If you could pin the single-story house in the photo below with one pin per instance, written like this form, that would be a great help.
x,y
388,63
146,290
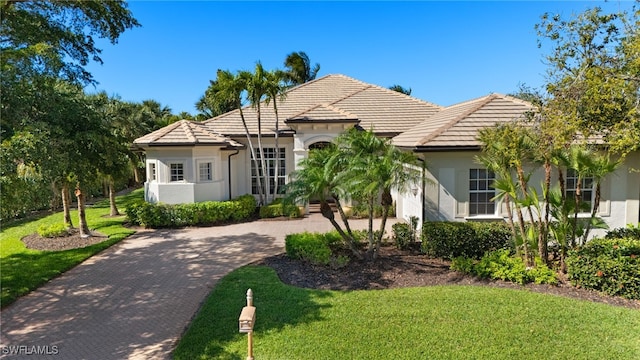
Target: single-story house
x,y
198,161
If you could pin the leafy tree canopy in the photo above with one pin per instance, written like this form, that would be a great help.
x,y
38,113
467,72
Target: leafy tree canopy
x,y
58,37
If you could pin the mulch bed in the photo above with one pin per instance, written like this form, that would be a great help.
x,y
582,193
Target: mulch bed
x,y
72,241
393,269
396,269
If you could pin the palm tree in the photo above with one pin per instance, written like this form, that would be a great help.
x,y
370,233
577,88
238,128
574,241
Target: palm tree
x,y
400,89
256,87
275,91
375,167
230,89
320,177
299,69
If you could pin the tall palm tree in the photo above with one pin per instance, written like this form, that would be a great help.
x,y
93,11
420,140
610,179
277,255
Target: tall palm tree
x,y
299,70
231,88
275,91
256,87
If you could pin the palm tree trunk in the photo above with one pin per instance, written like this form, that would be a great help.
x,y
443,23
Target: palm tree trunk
x,y
594,211
543,230
371,247
113,209
343,216
387,201
512,226
277,165
66,205
263,162
578,194
253,157
327,212
82,217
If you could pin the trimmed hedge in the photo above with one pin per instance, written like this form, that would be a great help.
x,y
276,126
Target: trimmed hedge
x,y
611,266
279,208
315,248
202,213
449,240
630,232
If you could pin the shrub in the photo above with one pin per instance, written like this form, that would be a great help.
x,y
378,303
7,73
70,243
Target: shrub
x,y
52,231
467,239
611,266
405,234
500,264
202,213
629,232
314,247
279,208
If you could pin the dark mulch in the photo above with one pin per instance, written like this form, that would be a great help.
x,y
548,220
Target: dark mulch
x,y
396,269
72,241
393,269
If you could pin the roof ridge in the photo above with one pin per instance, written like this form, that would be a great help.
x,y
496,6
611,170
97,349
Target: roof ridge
x,y
368,86
188,131
339,110
487,99
164,131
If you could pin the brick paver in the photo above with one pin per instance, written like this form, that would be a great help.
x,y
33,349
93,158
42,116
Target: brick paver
x,y
134,300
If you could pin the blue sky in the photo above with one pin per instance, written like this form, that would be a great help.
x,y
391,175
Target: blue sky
x,y
446,52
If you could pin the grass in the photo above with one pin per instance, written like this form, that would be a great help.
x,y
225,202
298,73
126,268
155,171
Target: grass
x,y
442,322
23,270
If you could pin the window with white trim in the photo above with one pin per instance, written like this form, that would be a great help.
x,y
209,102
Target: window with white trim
x,y
481,192
205,171
586,188
176,171
270,159
153,174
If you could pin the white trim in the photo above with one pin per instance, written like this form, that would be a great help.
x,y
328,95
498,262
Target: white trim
x,y
198,176
170,172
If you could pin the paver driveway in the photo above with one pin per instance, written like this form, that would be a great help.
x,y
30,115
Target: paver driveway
x,y
134,300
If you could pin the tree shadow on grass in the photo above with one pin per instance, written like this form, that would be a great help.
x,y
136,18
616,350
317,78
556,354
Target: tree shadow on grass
x,y
215,328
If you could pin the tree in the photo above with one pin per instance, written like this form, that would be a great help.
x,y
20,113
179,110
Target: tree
x,y
230,89
400,89
593,75
359,166
298,68
57,37
211,105
321,177
275,91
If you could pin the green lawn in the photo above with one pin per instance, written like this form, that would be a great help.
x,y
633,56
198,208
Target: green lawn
x,y
443,322
22,270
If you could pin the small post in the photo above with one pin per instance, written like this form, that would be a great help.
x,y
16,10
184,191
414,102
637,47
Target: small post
x,y
246,321
250,334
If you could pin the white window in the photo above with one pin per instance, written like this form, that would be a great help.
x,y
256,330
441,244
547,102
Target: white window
x,y
586,188
204,171
270,159
481,192
153,175
177,171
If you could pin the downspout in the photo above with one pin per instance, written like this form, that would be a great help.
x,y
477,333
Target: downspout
x,y
229,170
423,186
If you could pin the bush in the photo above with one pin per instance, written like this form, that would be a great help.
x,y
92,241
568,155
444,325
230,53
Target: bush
x,y
279,208
202,213
52,231
467,239
500,264
629,232
405,234
611,266
315,248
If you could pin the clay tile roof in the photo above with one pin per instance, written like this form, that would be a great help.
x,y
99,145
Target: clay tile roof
x,y
329,98
185,132
458,125
323,113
